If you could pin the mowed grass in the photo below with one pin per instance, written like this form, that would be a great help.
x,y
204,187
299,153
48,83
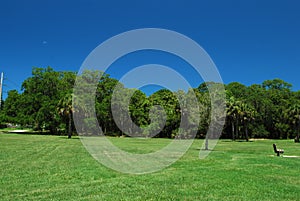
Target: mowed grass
x,y
37,167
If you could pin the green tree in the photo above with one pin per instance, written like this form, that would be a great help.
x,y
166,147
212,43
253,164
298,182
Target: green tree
x,y
237,90
258,100
11,107
65,110
104,92
292,115
40,97
139,109
169,103
204,104
233,111
278,92
212,109
40,94
120,106
247,115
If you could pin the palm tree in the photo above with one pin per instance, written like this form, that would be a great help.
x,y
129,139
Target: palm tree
x,y
247,115
65,109
293,116
233,111
239,113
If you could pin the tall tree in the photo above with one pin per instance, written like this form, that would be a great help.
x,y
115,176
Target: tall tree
x,y
168,103
65,110
11,107
139,108
292,114
233,111
237,90
258,100
278,92
247,115
41,94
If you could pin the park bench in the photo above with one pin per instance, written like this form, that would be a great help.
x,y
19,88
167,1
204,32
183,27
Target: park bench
x,y
277,151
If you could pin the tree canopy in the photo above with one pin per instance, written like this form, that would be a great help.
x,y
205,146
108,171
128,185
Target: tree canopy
x,y
267,110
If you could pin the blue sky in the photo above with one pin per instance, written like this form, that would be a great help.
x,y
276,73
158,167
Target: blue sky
x,y
249,41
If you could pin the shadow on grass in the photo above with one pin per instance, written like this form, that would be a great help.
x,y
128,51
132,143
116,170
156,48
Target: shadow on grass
x,y
38,133
236,141
201,149
66,137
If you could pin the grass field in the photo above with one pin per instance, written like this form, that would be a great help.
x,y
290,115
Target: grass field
x,y
35,167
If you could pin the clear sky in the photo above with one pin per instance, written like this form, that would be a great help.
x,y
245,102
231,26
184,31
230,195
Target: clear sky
x,y
249,41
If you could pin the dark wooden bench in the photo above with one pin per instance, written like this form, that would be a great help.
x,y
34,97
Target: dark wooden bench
x,y
278,151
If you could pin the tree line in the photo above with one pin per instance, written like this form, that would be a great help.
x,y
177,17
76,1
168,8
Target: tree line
x,y
267,110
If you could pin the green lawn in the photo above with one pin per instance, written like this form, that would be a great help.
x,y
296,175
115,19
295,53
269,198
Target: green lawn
x,y
35,167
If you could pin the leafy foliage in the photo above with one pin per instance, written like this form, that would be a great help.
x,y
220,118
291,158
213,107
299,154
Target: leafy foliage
x,y
46,103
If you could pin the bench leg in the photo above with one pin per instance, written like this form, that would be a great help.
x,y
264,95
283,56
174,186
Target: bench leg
x,y
278,154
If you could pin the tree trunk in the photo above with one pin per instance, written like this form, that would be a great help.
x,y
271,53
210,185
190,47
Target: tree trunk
x,y
237,128
232,127
70,126
246,132
206,143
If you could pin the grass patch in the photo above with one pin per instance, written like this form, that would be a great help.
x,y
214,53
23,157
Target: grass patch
x,y
35,167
